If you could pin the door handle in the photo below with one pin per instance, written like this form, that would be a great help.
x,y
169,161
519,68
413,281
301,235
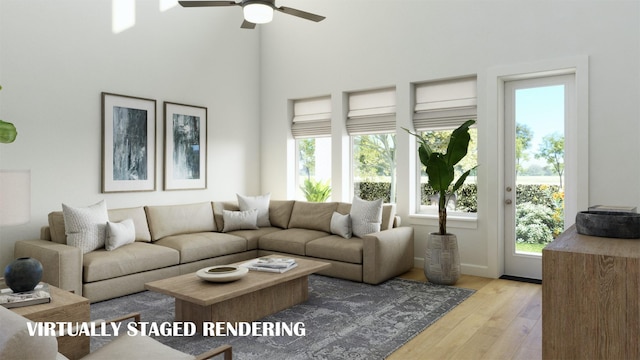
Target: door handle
x,y
508,201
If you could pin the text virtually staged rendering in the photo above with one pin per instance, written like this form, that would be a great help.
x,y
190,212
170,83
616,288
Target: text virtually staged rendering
x,y
306,179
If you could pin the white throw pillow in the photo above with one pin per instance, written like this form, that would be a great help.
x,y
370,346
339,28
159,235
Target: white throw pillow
x,y
119,234
85,227
261,203
341,225
240,220
366,216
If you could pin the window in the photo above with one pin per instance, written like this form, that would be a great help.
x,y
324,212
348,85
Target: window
x,y
312,130
441,107
371,125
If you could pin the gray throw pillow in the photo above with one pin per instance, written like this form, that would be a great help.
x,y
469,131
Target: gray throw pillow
x,y
341,225
85,227
240,220
366,216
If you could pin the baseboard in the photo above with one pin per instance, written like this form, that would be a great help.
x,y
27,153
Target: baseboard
x,y
521,279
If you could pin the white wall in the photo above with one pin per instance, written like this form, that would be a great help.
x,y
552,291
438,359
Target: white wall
x,y
56,57
375,43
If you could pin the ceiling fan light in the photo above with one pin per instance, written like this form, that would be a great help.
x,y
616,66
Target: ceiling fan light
x,y
258,13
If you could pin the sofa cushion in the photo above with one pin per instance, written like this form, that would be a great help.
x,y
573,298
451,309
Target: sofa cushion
x,y
260,203
388,214
86,226
291,241
136,346
180,219
240,220
280,212
128,259
57,231
17,343
366,216
252,236
139,218
313,216
218,210
203,245
336,248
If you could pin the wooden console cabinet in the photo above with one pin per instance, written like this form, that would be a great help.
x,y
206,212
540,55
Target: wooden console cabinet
x,y
590,298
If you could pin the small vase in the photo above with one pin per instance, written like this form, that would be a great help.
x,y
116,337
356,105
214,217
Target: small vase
x,y
23,274
442,259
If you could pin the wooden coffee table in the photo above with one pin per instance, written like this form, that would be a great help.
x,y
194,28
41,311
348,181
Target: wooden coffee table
x,y
255,296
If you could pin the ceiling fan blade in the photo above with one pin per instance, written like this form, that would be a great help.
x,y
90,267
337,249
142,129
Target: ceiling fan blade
x,y
248,25
300,13
207,3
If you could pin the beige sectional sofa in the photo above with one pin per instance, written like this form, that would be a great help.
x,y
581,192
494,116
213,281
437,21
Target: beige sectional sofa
x,y
178,239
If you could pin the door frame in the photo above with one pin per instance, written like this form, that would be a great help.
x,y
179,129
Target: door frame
x,y
494,130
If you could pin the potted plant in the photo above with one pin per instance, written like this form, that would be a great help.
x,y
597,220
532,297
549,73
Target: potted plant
x,y
442,260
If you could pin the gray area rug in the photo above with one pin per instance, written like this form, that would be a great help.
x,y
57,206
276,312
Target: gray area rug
x,y
342,320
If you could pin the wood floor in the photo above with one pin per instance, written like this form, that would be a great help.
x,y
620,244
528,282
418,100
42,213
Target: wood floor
x,y
502,320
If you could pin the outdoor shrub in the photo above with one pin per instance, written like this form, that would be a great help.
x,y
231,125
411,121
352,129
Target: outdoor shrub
x,y
373,190
536,194
535,223
467,197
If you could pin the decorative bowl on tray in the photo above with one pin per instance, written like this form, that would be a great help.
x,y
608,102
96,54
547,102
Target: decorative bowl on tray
x,y
222,273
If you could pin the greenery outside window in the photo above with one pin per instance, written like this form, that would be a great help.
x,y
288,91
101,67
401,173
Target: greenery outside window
x,y
313,180
374,166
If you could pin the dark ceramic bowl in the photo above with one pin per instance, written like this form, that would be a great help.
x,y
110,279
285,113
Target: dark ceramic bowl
x,y
620,225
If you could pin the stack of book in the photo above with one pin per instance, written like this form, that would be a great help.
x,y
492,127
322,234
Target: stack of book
x,y
271,264
39,295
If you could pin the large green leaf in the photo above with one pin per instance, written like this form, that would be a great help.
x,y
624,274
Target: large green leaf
x,y
461,180
440,174
459,143
424,154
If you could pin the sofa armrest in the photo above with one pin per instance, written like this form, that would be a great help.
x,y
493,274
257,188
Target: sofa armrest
x,y
387,254
61,264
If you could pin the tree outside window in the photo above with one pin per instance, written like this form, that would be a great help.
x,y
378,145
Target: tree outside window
x,y
314,169
374,166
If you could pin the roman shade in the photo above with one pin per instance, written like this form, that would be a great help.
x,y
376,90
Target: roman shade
x,y
372,111
444,104
311,117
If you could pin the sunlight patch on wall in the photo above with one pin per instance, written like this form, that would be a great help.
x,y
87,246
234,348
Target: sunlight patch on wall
x,y
168,4
123,15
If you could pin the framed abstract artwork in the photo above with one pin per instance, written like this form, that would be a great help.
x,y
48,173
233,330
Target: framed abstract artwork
x,y
128,143
185,147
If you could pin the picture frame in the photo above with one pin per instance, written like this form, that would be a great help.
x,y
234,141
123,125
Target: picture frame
x,y
128,143
185,147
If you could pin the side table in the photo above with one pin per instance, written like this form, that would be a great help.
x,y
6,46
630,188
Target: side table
x,y
64,307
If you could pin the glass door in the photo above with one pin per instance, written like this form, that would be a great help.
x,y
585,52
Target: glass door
x,y
536,111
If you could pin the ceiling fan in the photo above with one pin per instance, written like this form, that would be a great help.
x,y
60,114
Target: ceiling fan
x,y
255,11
